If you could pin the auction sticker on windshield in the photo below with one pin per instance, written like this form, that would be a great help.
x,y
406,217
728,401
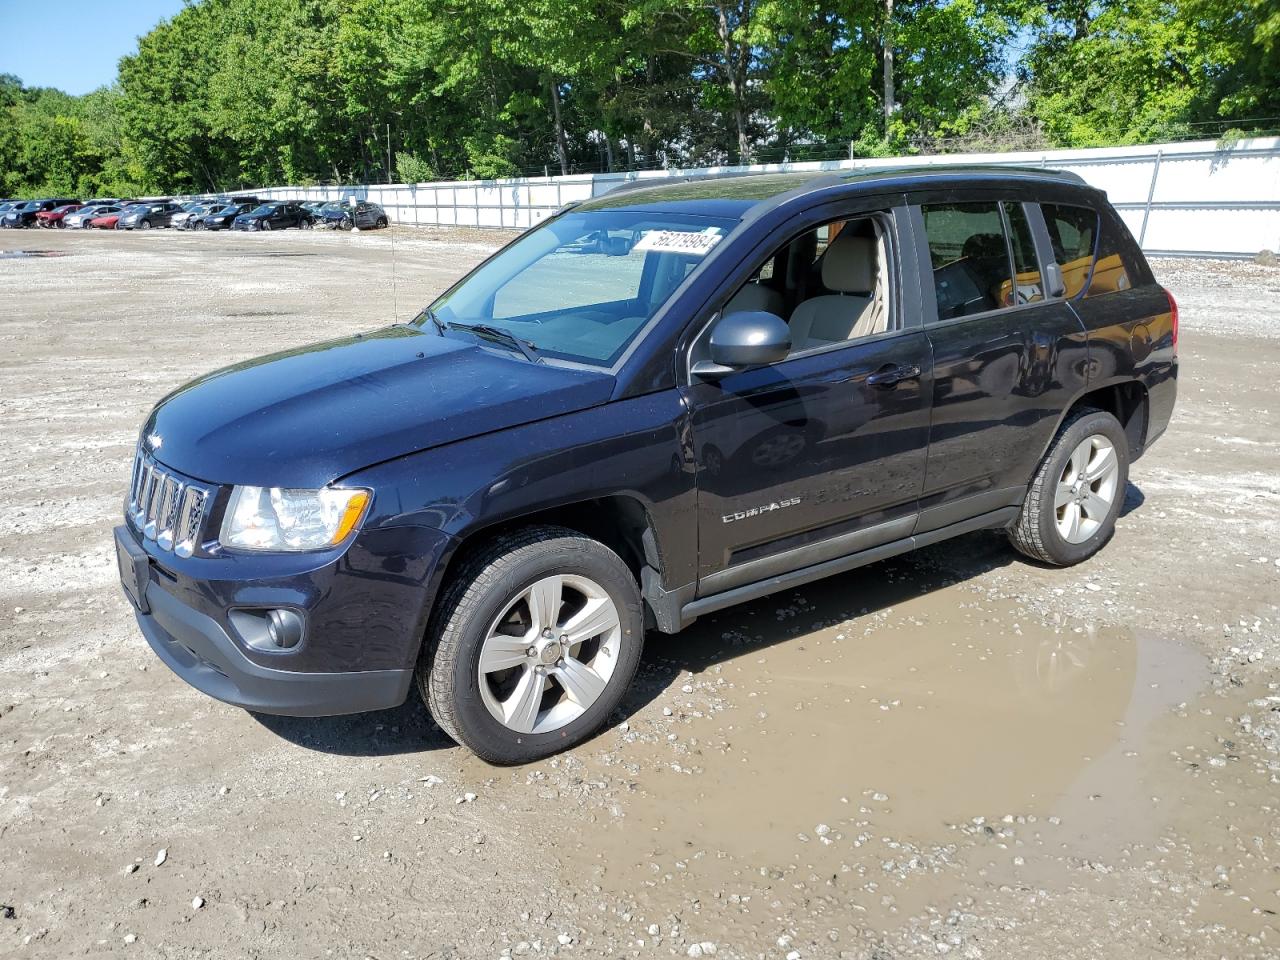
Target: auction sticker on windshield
x,y
678,241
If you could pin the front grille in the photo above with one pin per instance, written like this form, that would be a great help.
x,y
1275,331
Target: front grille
x,y
166,507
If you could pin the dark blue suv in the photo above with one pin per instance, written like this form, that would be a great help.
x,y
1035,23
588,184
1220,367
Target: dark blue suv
x,y
656,404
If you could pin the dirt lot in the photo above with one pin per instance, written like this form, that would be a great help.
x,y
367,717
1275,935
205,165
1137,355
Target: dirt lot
x,y
955,752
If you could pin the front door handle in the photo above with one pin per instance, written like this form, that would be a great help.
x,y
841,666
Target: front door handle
x,y
892,374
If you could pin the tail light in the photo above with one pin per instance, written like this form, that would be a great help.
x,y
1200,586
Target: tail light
x,y
1173,312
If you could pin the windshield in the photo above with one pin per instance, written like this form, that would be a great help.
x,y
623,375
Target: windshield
x,y
582,286
263,210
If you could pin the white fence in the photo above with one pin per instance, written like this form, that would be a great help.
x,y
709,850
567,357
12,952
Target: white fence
x,y
1183,199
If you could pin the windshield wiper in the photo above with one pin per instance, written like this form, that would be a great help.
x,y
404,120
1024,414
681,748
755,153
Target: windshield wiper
x,y
493,334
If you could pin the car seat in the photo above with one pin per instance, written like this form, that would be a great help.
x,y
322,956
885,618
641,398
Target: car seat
x,y
857,309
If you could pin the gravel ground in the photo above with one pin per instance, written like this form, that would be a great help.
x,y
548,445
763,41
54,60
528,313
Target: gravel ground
x,y
953,752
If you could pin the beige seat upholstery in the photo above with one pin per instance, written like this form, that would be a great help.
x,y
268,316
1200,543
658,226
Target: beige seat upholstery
x,y
753,296
848,266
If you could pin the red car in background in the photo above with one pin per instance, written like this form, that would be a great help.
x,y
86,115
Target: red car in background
x,y
109,218
53,218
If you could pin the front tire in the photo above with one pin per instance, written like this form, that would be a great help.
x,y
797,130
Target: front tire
x,y
144,224
533,645
1075,497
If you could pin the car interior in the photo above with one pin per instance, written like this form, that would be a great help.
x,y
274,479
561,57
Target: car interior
x,y
829,284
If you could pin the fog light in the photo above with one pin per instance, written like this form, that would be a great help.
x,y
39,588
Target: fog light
x,y
268,630
284,627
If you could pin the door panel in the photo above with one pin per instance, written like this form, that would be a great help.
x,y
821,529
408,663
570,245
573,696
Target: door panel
x,y
806,450
1001,382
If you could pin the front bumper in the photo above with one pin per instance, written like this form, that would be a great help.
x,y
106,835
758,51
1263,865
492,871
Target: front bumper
x,y
365,613
199,650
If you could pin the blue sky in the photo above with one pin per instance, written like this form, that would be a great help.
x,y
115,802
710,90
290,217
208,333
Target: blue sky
x,y
74,44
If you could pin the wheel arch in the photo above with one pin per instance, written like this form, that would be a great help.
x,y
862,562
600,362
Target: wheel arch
x,y
1126,400
622,522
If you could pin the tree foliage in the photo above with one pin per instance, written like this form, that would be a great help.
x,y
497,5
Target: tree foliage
x,y
232,93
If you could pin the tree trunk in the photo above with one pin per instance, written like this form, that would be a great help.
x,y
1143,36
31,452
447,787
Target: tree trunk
x,y
888,64
562,145
735,67
647,131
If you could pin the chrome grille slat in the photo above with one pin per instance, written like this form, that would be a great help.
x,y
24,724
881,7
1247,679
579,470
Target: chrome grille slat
x,y
187,531
165,507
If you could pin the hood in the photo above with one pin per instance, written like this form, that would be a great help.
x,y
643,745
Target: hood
x,y
306,417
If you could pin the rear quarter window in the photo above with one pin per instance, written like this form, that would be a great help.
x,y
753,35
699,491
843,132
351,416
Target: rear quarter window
x,y
1095,256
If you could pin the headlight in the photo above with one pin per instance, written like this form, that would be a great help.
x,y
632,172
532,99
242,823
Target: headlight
x,y
279,519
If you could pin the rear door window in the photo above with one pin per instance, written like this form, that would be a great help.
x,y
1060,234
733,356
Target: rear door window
x,y
1028,286
970,257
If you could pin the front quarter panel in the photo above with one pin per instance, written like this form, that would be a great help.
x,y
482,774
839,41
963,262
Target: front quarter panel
x,y
633,448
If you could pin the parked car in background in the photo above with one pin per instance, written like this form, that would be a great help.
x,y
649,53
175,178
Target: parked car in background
x,y
222,216
54,217
79,219
107,218
274,215
343,216
314,207
191,211
24,215
144,216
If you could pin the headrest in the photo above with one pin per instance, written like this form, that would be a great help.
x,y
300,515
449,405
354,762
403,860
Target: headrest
x,y
849,265
752,296
984,245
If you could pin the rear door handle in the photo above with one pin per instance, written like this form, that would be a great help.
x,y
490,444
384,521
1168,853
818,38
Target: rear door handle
x,y
889,375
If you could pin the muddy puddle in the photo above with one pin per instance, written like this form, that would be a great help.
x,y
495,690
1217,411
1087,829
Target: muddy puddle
x,y
894,759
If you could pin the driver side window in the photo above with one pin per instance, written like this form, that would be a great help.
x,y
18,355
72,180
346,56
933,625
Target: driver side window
x,y
830,283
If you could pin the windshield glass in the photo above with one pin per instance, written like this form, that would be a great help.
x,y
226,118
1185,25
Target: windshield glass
x,y
583,285
263,210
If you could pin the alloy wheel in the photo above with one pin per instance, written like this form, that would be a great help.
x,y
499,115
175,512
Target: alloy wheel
x,y
547,658
1086,489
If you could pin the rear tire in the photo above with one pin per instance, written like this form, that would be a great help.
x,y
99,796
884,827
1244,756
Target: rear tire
x,y
1075,497
557,618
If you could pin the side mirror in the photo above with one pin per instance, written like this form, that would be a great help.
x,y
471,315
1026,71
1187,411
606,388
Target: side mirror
x,y
747,338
